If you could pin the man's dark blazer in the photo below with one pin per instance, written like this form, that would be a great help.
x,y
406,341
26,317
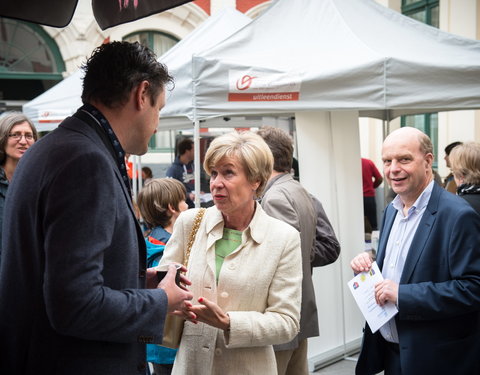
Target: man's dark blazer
x,y
73,264
439,293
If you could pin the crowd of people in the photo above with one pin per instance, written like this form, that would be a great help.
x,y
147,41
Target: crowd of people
x,y
78,284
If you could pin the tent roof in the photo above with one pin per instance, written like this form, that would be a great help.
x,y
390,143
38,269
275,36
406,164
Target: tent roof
x,y
179,59
50,108
337,55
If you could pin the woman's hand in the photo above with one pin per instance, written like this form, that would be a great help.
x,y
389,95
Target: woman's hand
x,y
185,312
210,313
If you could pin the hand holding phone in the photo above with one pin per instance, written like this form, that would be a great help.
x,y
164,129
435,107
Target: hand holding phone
x,y
163,269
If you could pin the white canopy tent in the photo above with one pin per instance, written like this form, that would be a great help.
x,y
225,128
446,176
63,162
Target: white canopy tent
x,y
329,62
50,108
179,105
337,55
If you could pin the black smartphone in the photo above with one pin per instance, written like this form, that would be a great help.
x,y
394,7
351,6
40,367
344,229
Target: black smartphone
x,y
163,269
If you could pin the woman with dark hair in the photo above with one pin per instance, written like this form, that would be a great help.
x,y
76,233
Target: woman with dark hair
x,y
465,163
147,175
17,134
449,182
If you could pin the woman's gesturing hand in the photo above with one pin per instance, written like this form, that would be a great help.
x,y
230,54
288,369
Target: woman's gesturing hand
x,y
210,313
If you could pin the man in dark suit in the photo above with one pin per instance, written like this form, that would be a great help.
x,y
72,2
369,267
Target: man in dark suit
x,y
73,278
429,256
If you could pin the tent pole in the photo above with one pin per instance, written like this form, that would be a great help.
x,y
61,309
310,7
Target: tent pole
x,y
134,177
196,145
385,131
140,178
171,139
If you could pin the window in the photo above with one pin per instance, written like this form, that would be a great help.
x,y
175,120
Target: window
x,y
30,61
155,40
160,43
425,11
427,123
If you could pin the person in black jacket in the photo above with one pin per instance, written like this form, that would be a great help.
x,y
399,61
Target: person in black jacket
x,y
76,295
465,162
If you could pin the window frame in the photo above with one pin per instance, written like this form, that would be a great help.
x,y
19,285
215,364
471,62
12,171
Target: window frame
x,y
42,35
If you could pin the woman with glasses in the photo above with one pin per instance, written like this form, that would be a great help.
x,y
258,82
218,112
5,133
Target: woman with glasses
x,y
17,134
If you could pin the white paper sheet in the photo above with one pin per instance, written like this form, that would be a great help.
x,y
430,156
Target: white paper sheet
x,y
362,287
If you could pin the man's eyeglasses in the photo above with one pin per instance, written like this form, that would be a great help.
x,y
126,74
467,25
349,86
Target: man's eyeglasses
x,y
18,136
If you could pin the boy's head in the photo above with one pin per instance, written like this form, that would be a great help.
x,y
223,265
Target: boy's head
x,y
155,199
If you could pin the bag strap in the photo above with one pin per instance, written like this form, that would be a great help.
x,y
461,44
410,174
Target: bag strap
x,y
193,233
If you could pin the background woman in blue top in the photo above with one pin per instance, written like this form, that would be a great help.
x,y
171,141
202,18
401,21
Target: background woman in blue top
x,y
160,202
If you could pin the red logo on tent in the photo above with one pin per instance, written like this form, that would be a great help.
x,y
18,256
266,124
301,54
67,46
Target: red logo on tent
x,y
245,82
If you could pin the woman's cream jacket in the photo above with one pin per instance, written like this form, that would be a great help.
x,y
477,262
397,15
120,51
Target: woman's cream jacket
x,y
260,287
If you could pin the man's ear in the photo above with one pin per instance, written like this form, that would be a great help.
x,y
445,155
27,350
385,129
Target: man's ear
x,y
142,97
429,159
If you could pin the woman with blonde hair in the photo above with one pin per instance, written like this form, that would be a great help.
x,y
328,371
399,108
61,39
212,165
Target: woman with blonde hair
x,y
160,202
245,267
17,134
465,165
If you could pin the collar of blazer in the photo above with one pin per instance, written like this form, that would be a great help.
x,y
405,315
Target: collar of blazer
x,y
283,177
420,238
257,228
76,125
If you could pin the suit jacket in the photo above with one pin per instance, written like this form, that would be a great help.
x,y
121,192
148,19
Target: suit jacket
x,y
259,286
73,262
326,247
439,293
287,200
473,200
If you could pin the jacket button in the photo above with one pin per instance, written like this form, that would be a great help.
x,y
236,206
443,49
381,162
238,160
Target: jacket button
x,y
218,351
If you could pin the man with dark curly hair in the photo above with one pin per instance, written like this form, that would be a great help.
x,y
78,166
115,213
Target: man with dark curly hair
x,y
76,295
